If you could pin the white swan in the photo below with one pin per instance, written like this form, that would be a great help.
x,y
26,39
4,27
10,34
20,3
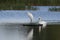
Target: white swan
x,y
42,22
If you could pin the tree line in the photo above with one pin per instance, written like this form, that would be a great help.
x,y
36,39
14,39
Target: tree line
x,y
20,4
34,2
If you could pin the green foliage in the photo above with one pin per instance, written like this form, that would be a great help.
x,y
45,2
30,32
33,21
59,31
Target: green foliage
x,y
20,4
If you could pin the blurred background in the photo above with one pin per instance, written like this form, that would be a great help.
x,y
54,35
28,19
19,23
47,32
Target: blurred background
x,y
14,11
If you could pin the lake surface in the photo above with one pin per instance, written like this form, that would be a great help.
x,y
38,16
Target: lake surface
x,y
13,33
21,15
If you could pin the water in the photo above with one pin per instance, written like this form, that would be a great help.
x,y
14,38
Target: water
x,y
21,16
12,33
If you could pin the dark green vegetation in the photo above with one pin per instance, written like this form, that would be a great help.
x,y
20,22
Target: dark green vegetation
x,y
54,9
53,32
20,4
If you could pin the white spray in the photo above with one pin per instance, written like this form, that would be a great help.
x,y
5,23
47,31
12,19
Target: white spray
x,y
30,16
